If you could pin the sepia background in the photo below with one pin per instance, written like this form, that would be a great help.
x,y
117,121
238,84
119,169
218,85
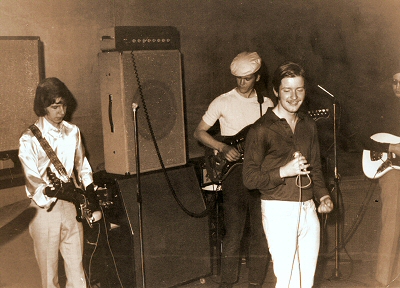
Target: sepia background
x,y
347,47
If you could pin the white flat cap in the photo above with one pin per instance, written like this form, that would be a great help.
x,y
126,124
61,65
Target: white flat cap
x,y
245,63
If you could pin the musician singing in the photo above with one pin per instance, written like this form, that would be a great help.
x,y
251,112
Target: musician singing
x,y
54,227
387,268
235,110
282,160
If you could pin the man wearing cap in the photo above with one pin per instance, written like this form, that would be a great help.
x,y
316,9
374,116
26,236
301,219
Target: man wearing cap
x,y
236,110
388,268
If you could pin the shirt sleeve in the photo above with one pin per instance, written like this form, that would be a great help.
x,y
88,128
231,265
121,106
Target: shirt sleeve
x,y
213,112
255,151
319,187
34,177
82,165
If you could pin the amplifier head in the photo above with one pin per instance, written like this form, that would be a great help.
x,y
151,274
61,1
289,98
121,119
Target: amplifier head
x,y
128,38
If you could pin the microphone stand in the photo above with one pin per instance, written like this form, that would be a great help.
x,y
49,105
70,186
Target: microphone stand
x,y
336,275
139,193
336,272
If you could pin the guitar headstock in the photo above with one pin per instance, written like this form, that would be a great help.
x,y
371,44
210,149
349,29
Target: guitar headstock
x,y
318,114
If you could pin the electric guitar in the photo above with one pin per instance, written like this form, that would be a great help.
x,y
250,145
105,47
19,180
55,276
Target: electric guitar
x,y
376,164
216,165
218,168
83,212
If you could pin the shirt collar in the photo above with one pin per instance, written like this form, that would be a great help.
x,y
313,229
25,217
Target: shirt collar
x,y
274,117
49,129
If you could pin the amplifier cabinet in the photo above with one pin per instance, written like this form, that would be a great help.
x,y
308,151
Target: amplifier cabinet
x,y
21,60
156,78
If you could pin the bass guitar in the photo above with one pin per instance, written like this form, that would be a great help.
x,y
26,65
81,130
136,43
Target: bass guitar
x,y
376,164
82,205
218,168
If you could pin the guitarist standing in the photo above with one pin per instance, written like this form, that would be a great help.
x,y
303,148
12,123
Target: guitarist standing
x,y
388,268
54,228
235,110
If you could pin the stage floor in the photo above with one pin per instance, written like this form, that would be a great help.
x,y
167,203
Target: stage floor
x,y
353,274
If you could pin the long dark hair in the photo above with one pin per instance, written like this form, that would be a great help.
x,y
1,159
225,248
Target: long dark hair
x,y
48,91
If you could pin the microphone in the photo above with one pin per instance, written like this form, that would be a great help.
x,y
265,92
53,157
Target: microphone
x,y
297,154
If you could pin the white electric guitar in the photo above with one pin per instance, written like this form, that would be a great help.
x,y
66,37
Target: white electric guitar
x,y
376,164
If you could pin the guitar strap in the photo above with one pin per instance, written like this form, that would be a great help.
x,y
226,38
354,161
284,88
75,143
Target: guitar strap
x,y
49,151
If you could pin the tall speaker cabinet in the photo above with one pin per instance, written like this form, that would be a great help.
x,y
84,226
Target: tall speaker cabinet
x,y
22,68
152,79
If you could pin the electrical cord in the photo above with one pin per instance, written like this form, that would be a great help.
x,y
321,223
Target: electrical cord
x,y
301,187
171,188
297,233
88,274
111,252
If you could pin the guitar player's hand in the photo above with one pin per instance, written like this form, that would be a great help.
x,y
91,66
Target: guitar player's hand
x,y
91,196
65,191
395,148
231,154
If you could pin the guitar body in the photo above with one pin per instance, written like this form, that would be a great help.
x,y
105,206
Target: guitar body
x,y
83,211
82,205
376,164
217,166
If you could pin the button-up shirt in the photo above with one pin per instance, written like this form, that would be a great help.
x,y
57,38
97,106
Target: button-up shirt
x,y
67,144
270,144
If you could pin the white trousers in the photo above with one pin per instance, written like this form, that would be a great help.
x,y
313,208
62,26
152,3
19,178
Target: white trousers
x,y
293,233
58,232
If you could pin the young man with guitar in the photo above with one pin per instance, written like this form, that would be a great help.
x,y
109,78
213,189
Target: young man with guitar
x,y
380,161
282,160
235,110
50,151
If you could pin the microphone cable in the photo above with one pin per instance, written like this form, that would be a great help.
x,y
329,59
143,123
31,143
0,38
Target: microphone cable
x,y
298,182
298,177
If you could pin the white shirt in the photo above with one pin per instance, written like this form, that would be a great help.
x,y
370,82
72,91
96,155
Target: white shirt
x,y
67,144
234,112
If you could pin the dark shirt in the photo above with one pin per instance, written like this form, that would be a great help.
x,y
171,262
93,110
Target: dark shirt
x,y
270,144
386,119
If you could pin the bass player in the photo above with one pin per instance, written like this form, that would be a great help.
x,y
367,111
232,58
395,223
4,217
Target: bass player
x,y
387,267
235,110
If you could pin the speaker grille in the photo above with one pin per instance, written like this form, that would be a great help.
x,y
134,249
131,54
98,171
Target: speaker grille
x,y
153,77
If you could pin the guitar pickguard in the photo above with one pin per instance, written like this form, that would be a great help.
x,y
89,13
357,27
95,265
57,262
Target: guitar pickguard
x,y
376,164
